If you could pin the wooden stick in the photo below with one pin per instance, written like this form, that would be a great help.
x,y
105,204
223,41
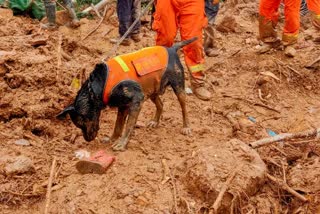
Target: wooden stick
x,y
65,55
253,103
95,10
106,15
285,186
59,50
287,66
284,136
48,195
166,172
311,64
97,6
224,188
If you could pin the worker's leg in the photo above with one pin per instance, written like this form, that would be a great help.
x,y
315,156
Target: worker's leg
x,y
192,20
314,7
69,5
136,10
50,6
292,22
268,19
165,23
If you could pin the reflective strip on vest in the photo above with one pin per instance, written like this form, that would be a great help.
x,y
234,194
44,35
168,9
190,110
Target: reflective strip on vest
x,y
196,68
123,65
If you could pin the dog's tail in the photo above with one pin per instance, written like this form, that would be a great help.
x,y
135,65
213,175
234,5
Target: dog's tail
x,y
179,45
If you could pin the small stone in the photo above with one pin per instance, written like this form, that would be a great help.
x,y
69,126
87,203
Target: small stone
x,y
128,200
142,201
188,91
151,170
6,13
18,165
22,142
140,124
290,51
309,87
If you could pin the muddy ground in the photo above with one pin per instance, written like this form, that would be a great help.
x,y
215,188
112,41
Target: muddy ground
x,y
35,86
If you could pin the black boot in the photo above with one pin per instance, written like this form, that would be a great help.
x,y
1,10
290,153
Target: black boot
x,y
69,5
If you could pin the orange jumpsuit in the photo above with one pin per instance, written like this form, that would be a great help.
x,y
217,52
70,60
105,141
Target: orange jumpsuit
x,y
188,16
269,17
314,7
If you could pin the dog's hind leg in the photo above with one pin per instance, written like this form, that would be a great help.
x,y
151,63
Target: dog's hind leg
x,y
159,105
186,130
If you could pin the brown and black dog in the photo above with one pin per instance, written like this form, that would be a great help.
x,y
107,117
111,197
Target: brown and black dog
x,y
125,82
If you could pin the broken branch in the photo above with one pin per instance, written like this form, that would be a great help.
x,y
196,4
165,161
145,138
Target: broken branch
x,y
48,195
224,188
59,50
106,15
284,136
166,172
311,64
285,186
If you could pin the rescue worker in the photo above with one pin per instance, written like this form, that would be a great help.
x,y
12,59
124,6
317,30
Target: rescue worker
x,y
189,17
269,17
314,8
128,11
50,6
211,9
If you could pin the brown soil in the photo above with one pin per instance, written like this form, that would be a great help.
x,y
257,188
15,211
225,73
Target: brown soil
x,y
33,89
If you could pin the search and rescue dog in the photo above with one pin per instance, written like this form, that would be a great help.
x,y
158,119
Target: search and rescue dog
x,y
125,82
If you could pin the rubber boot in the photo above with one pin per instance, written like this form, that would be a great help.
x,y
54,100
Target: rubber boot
x,y
198,87
75,21
51,15
209,44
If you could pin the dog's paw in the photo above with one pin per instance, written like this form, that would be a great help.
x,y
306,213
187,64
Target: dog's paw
x,y
152,124
119,146
186,131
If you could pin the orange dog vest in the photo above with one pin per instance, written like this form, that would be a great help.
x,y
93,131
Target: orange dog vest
x,y
145,66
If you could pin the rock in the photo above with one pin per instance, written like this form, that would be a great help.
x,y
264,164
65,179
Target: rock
x,y
38,42
247,126
140,124
22,142
62,18
228,24
290,51
188,90
6,13
204,174
16,165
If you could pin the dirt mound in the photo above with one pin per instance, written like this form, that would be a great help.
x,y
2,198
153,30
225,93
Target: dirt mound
x,y
206,172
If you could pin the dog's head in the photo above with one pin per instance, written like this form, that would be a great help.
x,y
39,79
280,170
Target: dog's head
x,y
85,110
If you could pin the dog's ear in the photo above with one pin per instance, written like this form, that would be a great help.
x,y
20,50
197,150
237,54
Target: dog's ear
x,y
62,115
99,72
98,78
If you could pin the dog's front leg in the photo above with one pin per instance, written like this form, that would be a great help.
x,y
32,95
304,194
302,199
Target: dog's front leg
x,y
118,128
120,144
